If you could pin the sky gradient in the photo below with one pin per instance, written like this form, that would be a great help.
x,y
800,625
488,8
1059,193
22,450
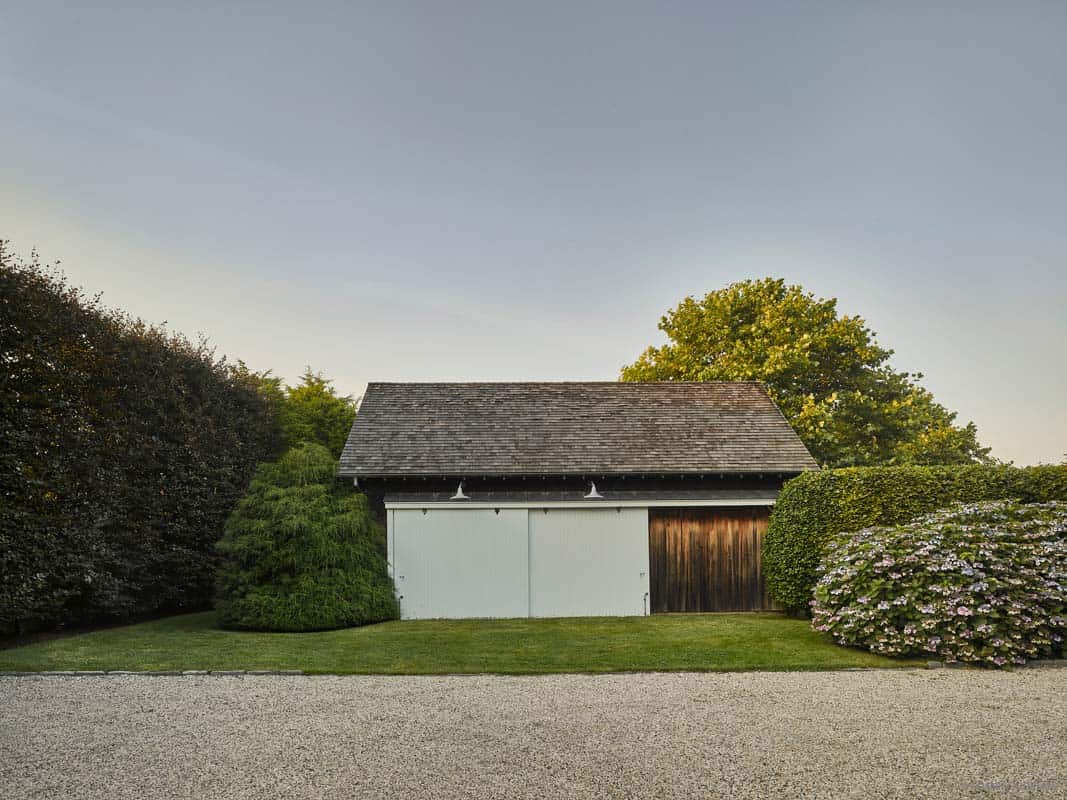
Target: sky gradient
x,y
451,191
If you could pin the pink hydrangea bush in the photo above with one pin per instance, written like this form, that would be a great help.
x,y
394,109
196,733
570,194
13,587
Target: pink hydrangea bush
x,y
983,583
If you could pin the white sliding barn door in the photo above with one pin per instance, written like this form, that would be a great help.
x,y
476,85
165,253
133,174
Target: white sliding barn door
x,y
457,563
588,562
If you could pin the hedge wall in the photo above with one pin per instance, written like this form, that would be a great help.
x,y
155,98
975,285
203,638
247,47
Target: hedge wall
x,y
124,449
816,505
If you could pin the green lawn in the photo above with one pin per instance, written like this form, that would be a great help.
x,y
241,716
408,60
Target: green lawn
x,y
705,642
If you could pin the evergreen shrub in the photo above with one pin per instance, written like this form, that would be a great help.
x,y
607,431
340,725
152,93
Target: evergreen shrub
x,y
301,552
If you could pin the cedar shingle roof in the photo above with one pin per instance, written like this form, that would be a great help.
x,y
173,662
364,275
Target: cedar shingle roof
x,y
412,429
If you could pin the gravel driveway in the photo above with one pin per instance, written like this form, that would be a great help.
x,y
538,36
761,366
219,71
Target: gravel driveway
x,y
899,733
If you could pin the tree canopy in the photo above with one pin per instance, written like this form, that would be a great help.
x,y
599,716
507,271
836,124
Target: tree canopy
x,y
826,371
311,411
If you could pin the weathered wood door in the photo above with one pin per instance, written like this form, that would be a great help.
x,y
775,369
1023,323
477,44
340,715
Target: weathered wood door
x,y
707,559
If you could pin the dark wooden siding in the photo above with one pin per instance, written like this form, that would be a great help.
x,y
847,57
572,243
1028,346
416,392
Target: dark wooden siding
x,y
606,484
707,559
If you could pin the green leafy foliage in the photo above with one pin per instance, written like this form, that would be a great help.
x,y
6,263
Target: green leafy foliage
x,y
812,508
826,372
982,583
302,552
124,448
311,411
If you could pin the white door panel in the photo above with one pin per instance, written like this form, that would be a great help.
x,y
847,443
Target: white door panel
x,y
588,562
457,563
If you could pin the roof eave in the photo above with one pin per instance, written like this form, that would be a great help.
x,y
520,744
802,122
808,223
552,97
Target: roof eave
x,y
711,471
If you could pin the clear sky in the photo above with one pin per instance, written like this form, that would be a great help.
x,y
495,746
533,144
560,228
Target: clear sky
x,y
499,191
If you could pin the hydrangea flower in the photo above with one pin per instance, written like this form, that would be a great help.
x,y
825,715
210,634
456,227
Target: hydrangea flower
x,y
1000,608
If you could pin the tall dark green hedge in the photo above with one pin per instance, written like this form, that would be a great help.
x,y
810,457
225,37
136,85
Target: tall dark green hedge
x,y
302,551
124,449
816,505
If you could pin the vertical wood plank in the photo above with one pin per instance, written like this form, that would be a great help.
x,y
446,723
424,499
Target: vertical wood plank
x,y
707,559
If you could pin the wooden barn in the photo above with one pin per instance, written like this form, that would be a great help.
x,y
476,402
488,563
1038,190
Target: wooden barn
x,y
573,499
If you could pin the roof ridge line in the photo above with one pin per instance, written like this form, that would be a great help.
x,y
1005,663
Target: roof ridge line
x,y
566,383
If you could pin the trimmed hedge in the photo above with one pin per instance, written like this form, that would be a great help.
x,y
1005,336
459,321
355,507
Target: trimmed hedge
x,y
302,551
815,506
124,448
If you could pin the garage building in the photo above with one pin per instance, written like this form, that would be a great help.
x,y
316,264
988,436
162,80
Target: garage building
x,y
573,499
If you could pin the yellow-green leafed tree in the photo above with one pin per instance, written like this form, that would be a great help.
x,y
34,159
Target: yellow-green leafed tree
x,y
826,371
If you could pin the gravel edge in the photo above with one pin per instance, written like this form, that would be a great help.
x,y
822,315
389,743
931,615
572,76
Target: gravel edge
x,y
169,673
1055,663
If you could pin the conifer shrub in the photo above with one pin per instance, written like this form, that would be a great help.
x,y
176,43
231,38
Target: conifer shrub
x,y
302,552
982,583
